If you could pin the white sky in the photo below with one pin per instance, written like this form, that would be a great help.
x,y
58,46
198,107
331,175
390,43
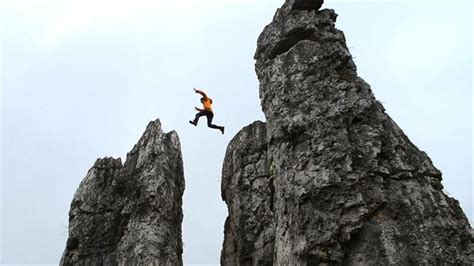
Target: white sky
x,y
81,80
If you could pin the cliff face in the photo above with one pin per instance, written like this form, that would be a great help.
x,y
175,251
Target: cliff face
x,y
247,189
130,214
338,182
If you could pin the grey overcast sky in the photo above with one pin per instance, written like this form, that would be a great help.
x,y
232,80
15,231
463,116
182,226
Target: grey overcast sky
x,y
81,80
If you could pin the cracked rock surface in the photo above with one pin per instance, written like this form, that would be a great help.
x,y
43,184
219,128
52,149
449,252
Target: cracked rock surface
x,y
247,188
330,178
130,214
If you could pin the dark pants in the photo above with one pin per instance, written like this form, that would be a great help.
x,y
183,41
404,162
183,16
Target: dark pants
x,y
209,115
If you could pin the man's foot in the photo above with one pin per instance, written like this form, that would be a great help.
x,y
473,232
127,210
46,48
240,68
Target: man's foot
x,y
222,130
194,123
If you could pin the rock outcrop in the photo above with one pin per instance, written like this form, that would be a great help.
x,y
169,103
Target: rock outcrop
x,y
247,188
335,180
130,214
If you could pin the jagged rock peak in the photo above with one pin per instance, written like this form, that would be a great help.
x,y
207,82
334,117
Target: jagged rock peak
x,y
130,214
290,27
343,185
108,162
305,4
250,140
247,187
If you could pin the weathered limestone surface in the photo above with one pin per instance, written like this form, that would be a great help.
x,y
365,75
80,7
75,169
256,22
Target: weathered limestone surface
x,y
339,182
247,189
130,214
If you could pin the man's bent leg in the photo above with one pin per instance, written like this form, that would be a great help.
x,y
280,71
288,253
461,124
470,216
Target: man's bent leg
x,y
210,116
198,115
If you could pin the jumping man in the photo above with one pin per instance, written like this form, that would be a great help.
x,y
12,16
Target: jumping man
x,y
207,111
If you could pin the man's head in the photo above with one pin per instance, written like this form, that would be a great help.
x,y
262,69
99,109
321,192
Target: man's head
x,y
202,100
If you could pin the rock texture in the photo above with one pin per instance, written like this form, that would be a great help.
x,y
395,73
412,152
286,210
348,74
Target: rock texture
x,y
130,214
247,188
335,181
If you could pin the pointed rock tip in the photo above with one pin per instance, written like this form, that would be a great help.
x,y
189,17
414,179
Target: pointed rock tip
x,y
154,125
305,4
155,129
108,162
174,138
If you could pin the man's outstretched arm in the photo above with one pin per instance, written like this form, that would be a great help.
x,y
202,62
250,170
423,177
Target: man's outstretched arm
x,y
201,92
198,109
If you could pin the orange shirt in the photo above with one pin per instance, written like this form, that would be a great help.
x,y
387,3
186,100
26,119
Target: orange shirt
x,y
207,104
